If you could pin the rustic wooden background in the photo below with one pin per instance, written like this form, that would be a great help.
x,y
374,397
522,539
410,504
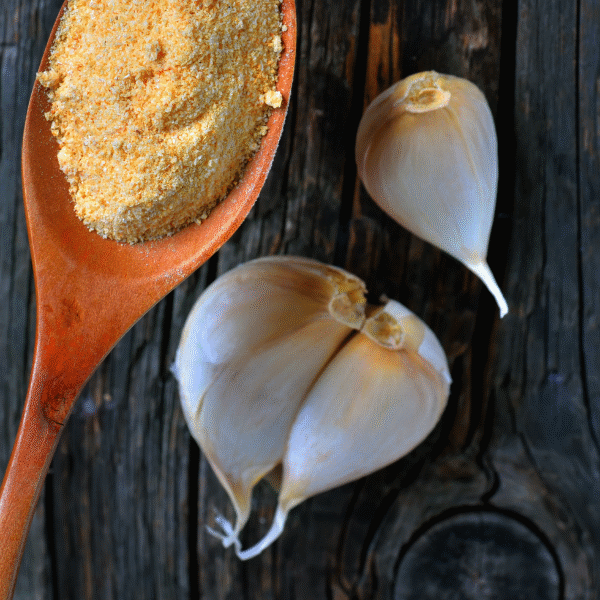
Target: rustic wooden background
x,y
503,500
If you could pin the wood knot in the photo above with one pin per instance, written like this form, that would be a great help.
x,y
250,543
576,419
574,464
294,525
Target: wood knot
x,y
479,555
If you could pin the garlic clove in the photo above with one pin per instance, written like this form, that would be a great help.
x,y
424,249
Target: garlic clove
x,y
379,396
248,409
426,151
369,407
251,347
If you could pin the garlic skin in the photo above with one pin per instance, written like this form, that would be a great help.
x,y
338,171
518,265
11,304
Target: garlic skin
x,y
426,152
282,364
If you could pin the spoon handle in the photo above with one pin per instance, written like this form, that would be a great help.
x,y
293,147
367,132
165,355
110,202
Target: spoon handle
x,y
67,352
33,450
61,366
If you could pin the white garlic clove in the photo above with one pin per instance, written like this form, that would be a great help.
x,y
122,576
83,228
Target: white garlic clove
x,y
379,396
426,151
251,347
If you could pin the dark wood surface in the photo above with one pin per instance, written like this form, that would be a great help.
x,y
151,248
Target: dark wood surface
x,y
503,499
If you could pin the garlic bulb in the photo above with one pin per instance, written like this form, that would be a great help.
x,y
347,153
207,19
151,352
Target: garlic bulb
x,y
283,364
426,151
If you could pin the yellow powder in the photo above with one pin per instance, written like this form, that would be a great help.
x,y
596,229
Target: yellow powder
x,y
157,106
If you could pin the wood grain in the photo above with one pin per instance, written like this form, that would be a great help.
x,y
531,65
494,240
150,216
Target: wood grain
x,y
511,475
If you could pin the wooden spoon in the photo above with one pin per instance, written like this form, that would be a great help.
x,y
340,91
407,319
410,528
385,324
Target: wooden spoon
x,y
90,291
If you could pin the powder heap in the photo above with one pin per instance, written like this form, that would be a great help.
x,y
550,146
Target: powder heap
x,y
158,105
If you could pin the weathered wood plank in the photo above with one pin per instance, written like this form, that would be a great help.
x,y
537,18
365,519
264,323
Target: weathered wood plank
x,y
391,505
24,28
300,218
588,78
120,484
543,399
516,454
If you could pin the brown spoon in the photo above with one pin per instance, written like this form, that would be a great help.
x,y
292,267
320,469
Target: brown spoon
x,y
90,291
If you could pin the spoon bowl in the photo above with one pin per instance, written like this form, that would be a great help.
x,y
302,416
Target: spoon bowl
x,y
90,291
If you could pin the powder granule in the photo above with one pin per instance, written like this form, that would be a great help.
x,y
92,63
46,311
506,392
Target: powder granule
x,y
158,105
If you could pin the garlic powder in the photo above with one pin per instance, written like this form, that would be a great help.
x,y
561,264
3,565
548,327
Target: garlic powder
x,y
158,105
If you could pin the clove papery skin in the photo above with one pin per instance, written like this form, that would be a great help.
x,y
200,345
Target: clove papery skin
x,y
426,151
283,365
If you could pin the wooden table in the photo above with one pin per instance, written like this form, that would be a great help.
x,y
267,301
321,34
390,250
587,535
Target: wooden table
x,y
503,499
